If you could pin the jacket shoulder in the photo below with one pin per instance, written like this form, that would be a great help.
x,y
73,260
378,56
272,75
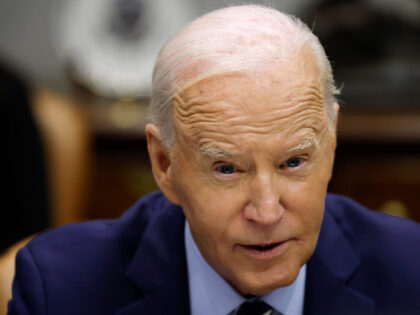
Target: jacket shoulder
x,y
389,253
359,223
79,237
67,264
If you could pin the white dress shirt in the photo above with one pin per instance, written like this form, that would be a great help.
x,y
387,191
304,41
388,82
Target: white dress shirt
x,y
210,294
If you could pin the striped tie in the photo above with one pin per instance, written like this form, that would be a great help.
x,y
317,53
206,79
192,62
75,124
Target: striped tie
x,y
254,308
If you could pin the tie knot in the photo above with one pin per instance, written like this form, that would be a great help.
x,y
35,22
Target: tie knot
x,y
254,308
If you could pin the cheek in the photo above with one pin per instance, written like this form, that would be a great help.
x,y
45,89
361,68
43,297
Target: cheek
x,y
210,210
210,223
213,215
308,209
305,201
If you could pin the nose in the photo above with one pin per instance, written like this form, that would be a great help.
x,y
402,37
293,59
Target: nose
x,y
264,206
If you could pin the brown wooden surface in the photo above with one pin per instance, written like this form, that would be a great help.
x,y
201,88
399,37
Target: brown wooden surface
x,y
384,125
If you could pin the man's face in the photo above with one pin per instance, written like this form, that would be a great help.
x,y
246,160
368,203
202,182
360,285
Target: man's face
x,y
250,166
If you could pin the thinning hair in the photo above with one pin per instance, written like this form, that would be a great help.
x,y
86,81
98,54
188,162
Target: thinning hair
x,y
246,38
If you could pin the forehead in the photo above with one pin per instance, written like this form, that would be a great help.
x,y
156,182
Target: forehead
x,y
286,100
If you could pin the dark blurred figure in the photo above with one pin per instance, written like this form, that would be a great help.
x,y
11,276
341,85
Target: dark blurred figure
x,y
46,166
24,206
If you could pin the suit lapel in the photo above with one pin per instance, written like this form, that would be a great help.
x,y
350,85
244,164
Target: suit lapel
x,y
158,268
170,298
329,270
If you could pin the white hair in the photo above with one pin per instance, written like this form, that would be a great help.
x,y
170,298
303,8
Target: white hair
x,y
247,38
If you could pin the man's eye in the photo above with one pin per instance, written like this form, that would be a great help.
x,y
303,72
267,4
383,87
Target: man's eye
x,y
226,169
293,162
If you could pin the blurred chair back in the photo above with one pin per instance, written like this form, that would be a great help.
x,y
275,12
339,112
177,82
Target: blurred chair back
x,y
7,271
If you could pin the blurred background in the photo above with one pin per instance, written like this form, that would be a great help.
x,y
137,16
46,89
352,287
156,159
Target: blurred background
x,y
75,84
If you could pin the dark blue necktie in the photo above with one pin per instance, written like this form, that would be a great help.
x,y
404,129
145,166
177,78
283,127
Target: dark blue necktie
x,y
254,308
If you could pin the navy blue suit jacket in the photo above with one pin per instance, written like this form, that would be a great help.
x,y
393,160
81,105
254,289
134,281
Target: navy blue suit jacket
x,y
364,263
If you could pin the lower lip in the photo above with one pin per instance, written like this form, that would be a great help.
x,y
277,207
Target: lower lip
x,y
277,250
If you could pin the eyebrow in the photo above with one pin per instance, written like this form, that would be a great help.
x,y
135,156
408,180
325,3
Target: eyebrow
x,y
304,144
214,153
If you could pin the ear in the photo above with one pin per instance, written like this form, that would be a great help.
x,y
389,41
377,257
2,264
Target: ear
x,y
161,163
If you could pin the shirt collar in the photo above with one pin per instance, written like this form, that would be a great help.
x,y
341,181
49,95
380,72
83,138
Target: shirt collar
x,y
210,294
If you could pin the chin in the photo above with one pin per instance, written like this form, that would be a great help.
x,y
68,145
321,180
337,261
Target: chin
x,y
263,284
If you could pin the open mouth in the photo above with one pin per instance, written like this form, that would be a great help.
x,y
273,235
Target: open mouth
x,y
264,247
267,251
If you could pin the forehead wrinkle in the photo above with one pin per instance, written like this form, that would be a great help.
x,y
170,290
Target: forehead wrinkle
x,y
305,108
201,114
203,128
303,115
195,95
195,110
190,101
311,93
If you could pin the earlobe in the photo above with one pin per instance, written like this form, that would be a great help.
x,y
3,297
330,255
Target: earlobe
x,y
161,162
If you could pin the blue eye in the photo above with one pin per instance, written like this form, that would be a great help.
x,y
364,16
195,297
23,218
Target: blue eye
x,y
226,169
293,162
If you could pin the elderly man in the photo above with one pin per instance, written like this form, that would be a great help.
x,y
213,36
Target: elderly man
x,y
241,140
